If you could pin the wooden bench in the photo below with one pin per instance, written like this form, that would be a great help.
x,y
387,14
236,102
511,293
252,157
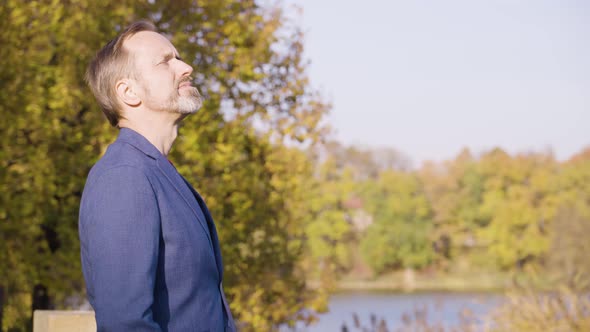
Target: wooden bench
x,y
63,321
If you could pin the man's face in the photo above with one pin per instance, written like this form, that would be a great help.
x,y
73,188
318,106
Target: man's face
x,y
164,79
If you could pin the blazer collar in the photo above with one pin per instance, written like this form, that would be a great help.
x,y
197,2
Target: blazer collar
x,y
134,138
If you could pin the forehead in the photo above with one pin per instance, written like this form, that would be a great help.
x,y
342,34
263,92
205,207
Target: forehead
x,y
149,46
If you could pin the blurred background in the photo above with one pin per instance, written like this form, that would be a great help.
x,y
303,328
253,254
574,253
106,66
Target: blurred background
x,y
376,165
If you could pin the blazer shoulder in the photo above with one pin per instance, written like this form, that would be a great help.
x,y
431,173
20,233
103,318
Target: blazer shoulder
x,y
122,155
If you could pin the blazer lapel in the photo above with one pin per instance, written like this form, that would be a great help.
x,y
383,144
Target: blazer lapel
x,y
212,228
177,181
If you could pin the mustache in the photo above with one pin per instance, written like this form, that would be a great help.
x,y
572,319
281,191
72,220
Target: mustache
x,y
185,79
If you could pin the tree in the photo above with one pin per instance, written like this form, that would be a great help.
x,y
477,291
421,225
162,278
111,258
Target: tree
x,y
49,139
249,66
567,257
454,189
517,205
400,234
328,230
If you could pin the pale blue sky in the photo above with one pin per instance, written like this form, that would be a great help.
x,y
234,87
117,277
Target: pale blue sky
x,y
430,77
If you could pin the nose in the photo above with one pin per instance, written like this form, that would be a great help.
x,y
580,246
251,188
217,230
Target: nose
x,y
185,68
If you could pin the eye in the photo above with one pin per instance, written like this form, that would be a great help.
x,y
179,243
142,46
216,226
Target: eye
x,y
165,61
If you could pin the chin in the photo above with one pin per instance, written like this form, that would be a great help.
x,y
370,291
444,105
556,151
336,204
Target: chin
x,y
187,112
189,105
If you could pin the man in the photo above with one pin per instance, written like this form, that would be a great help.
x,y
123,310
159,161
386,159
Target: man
x,y
149,247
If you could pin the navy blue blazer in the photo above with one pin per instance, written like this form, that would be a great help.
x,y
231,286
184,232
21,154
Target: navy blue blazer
x,y
149,247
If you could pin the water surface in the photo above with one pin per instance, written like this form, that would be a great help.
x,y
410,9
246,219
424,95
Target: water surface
x,y
440,307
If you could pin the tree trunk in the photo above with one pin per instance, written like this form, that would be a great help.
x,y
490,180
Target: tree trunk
x,y
41,300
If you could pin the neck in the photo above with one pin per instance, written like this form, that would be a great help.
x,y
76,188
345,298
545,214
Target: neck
x,y
160,130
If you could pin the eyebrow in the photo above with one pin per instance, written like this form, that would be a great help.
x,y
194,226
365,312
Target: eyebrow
x,y
168,56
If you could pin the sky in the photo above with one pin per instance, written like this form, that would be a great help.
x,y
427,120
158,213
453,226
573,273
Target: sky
x,y
431,77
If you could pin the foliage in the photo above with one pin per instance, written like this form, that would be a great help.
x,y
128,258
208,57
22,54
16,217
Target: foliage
x,y
518,205
49,139
567,258
454,191
248,64
328,231
399,235
494,212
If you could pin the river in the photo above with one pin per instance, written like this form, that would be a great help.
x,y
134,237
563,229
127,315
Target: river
x,y
441,308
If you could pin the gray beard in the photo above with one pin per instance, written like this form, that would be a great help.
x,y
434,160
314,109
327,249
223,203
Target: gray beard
x,y
183,104
177,103
189,104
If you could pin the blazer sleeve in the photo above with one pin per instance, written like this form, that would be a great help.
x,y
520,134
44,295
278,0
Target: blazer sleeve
x,y
119,235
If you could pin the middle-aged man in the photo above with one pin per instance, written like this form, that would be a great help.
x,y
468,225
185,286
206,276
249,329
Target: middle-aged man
x,y
149,247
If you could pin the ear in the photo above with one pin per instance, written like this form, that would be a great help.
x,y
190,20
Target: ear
x,y
126,92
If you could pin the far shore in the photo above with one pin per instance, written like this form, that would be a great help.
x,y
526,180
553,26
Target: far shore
x,y
400,282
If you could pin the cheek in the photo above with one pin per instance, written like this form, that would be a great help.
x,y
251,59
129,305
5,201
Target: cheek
x,y
159,84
